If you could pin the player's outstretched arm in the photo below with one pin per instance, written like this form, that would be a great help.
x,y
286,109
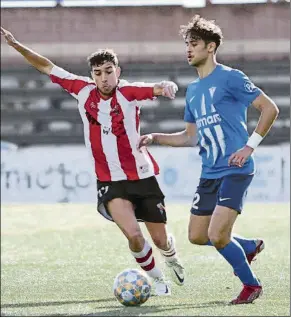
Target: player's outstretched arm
x,y
166,89
185,138
41,63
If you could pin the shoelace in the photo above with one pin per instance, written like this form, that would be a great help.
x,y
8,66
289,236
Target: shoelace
x,y
175,263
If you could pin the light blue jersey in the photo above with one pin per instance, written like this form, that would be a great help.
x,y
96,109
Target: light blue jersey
x,y
218,105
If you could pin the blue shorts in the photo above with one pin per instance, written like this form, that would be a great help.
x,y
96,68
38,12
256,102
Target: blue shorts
x,y
229,191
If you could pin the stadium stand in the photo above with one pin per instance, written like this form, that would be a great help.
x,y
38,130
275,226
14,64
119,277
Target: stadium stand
x,y
35,111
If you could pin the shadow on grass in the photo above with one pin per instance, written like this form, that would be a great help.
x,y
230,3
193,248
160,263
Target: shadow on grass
x,y
56,303
116,311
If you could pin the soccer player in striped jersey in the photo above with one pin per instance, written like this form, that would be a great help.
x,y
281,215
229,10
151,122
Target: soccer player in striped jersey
x,y
127,188
215,112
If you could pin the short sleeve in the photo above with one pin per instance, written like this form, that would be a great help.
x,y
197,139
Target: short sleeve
x,y
241,87
72,83
188,115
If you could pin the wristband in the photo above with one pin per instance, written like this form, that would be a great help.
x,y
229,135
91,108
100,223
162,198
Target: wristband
x,y
254,140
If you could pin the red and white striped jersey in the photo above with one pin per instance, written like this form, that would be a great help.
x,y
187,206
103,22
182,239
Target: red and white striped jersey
x,y
112,126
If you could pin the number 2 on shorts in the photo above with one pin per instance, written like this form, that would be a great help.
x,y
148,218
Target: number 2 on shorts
x,y
195,201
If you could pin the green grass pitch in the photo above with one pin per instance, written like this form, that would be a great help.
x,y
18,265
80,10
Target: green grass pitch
x,y
61,260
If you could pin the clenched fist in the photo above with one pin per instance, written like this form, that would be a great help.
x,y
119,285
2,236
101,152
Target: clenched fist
x,y
145,140
169,89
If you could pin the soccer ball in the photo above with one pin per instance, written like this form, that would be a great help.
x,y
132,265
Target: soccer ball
x,y
132,287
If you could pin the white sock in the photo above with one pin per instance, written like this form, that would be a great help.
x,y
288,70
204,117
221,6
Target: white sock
x,y
170,254
146,261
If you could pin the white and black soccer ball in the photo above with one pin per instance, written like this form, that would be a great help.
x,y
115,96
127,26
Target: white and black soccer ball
x,y
132,287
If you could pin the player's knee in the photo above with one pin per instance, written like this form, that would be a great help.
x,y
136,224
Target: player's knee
x,y
135,236
218,239
161,242
196,238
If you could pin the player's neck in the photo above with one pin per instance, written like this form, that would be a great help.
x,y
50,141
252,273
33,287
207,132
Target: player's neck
x,y
105,97
206,69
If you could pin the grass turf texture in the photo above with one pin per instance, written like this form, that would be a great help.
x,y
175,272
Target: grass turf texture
x,y
61,260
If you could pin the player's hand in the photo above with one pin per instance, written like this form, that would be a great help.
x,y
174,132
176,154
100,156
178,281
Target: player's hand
x,y
145,140
169,89
239,157
9,38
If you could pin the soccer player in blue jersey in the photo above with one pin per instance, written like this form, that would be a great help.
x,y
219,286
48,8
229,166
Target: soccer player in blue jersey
x,y
215,112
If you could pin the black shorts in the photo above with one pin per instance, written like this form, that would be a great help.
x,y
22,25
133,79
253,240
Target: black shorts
x,y
145,195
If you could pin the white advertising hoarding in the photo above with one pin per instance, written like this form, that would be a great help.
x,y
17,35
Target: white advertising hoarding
x,y
66,174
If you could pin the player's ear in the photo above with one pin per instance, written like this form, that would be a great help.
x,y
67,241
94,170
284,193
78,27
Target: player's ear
x,y
211,47
118,71
91,72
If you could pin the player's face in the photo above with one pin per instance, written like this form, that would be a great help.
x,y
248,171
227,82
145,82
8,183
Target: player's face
x,y
197,52
106,77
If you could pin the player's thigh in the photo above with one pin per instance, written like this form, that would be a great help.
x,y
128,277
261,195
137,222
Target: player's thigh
x,y
221,224
203,205
204,200
233,191
149,201
198,229
152,211
123,214
230,199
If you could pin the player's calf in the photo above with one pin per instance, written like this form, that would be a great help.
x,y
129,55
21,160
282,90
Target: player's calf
x,y
146,261
260,245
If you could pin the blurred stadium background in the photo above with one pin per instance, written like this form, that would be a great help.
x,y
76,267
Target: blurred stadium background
x,y
35,112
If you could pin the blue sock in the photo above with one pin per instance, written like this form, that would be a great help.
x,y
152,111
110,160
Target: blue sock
x,y
248,245
234,254
209,243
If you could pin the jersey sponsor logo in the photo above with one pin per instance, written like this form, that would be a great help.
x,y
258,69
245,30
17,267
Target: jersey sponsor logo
x,y
214,133
208,120
249,86
106,130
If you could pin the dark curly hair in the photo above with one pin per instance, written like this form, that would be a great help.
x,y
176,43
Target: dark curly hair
x,y
102,56
199,28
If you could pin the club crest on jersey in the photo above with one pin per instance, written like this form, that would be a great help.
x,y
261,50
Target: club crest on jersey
x,y
106,130
93,105
116,110
249,86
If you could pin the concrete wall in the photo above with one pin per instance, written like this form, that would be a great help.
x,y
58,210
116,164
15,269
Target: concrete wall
x,y
146,33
